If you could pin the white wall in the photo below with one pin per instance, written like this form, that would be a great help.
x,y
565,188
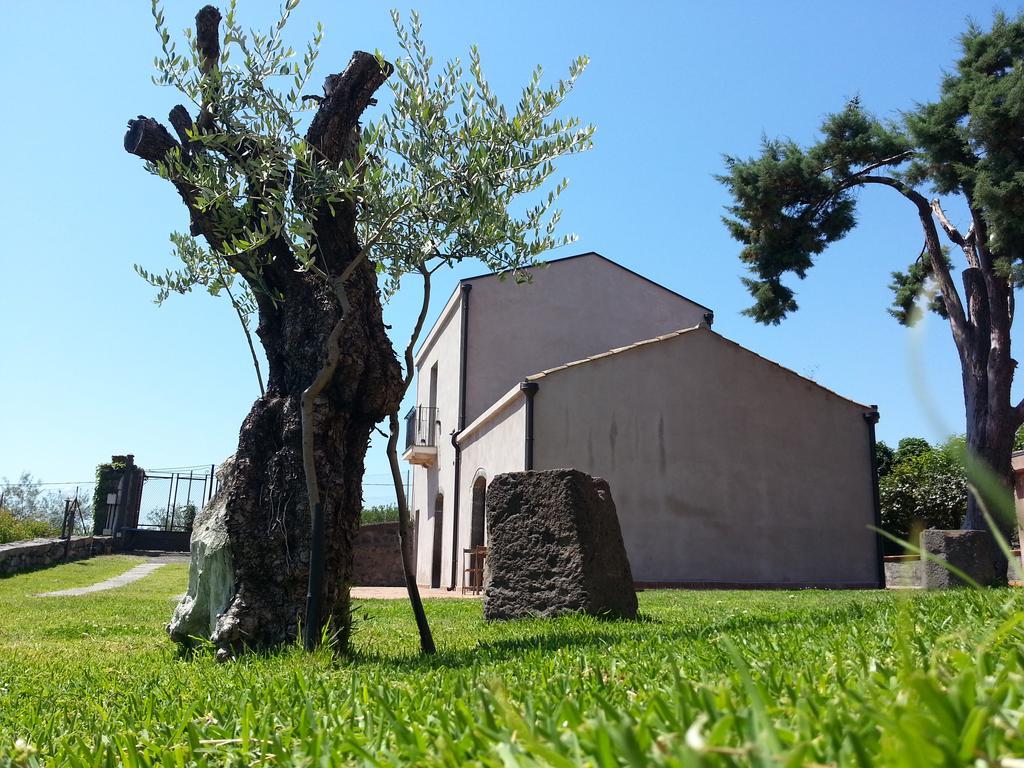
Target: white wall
x,y
572,309
493,445
723,466
442,347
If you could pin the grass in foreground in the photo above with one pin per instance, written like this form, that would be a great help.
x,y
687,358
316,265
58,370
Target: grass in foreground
x,y
707,678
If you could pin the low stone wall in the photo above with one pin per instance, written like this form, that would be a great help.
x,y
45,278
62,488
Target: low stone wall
x,y
906,570
378,557
21,556
901,571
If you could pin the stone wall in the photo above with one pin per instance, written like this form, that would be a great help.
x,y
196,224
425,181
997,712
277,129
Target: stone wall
x,y
378,557
902,571
21,556
906,571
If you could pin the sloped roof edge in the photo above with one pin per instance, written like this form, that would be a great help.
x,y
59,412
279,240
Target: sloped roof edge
x,y
701,327
428,340
496,408
603,258
450,304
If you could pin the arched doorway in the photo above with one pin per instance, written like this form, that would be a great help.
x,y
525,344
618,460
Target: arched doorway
x,y
478,524
435,565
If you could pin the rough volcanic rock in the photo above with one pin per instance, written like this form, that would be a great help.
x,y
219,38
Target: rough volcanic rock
x,y
554,547
973,552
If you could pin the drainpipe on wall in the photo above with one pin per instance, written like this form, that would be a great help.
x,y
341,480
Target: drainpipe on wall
x,y
464,289
529,388
871,417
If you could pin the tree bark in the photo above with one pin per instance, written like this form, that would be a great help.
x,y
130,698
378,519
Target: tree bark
x,y
990,434
266,512
981,334
405,541
991,421
268,515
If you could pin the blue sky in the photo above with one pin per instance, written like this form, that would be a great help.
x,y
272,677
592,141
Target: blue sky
x,y
90,367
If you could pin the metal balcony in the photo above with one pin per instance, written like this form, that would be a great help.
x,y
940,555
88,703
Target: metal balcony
x,y
421,436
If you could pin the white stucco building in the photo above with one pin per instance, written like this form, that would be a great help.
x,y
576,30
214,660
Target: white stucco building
x,y
726,468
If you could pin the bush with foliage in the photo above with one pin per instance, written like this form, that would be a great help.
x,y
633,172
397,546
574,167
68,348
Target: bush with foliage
x,y
28,511
14,529
381,513
924,486
26,499
188,516
107,477
177,517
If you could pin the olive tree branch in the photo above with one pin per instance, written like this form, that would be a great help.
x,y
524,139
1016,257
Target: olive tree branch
x,y
245,329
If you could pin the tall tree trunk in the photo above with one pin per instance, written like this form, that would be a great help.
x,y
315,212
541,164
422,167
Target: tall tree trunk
x,y
267,511
991,424
990,440
263,503
982,338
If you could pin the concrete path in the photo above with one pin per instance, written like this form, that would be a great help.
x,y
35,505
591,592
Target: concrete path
x,y
163,557
132,574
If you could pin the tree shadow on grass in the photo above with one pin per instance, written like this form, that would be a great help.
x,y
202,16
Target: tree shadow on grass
x,y
550,637
42,569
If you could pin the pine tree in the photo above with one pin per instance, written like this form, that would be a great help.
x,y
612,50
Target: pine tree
x,y
791,202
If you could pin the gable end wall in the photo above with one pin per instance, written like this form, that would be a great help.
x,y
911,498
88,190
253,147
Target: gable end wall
x,y
725,468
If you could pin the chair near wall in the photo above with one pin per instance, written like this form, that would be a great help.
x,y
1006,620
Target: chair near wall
x,y
473,569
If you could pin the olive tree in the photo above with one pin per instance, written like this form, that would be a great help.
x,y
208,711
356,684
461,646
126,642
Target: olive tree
x,y
321,217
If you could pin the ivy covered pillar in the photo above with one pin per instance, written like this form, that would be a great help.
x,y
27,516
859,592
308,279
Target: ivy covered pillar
x,y
1017,463
117,496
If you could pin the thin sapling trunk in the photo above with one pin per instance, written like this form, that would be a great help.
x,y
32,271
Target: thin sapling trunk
x,y
404,534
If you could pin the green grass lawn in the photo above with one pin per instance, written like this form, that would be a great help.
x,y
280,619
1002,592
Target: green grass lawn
x,y
767,678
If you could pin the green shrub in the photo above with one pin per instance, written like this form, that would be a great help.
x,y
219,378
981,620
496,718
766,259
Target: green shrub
x,y
107,478
13,529
926,487
382,513
188,516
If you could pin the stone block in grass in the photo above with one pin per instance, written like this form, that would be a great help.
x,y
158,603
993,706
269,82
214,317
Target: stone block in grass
x,y
973,552
554,548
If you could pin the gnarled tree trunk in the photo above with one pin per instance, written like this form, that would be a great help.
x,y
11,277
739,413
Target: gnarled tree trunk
x,y
264,515
981,333
992,424
267,511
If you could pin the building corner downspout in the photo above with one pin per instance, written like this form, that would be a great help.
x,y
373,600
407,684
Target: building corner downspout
x,y
529,389
871,417
464,289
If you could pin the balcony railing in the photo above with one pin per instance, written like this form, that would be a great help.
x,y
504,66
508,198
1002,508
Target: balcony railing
x,y
421,427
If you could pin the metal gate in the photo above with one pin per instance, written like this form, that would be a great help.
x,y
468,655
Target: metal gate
x,y
170,499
